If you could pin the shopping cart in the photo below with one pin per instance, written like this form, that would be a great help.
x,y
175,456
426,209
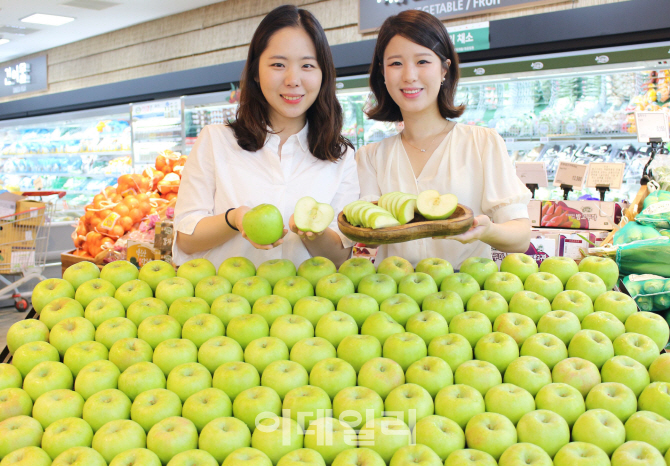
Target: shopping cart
x,y
24,239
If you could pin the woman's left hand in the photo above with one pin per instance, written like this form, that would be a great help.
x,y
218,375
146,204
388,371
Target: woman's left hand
x,y
479,229
303,234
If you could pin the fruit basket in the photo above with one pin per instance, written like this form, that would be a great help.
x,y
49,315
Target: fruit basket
x,y
459,222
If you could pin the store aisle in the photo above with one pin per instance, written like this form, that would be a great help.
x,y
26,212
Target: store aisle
x,y
8,316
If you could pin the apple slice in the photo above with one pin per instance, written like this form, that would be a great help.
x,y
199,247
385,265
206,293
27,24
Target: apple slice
x,y
355,210
384,199
399,201
366,217
348,207
434,206
389,200
405,212
383,221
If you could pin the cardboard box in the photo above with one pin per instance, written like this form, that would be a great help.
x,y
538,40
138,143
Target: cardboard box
x,y
30,212
543,244
581,215
534,211
8,203
164,235
14,260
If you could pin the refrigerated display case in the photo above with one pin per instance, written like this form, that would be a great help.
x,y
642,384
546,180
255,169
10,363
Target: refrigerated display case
x,y
156,126
207,109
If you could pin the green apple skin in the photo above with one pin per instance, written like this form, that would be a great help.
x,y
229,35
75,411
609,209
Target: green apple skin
x,y
497,348
405,349
81,272
234,377
252,402
47,376
620,305
395,267
293,289
313,308
335,326
119,272
28,456
400,307
309,351
19,432
118,436
520,265
92,289
659,370
439,433
631,452
229,305
263,224
31,354
431,373
141,377
529,373
59,309
546,347
591,345
184,308
172,289
637,346
106,406
154,272
563,399
284,376
246,328
205,406
79,456
561,324
562,267
378,286
645,426
49,290
588,283
601,428
308,403
358,349
329,437
490,432
530,304
359,306
276,269
489,303
189,457
509,400
104,308
454,349
113,330
470,457
222,436
277,437
10,377
95,377
417,286
381,375
65,434
236,268
626,370
69,332
172,436
196,270
579,373
201,328
79,355
271,307
357,405
356,268
472,325
581,454
315,268
446,303
460,403
173,352
156,329
147,307
603,267
504,283
252,288
14,402
462,284
263,351
420,454
332,375
26,331
410,403
656,398
385,435
152,406
128,351
478,268
481,375
649,324
188,379
437,268
573,301
134,290
545,429
291,329
247,457
615,398
545,284
381,326
525,453
211,288
334,287
605,323
356,456
517,326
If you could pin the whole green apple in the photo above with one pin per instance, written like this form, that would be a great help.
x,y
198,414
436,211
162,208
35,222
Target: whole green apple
x,y
520,265
588,283
656,398
195,270
263,224
284,376
234,377
620,305
154,272
517,326
247,457
253,402
410,403
581,454
545,284
171,289
229,305
417,286
69,332
395,267
45,377
605,323
509,400
437,268
188,379
14,402
481,375
591,345
385,435
205,406
252,288
400,308
119,272
28,456
190,457
439,433
95,377
446,303
529,373
626,370
652,325
134,290
579,373
504,283
546,347
223,436
359,306
334,287
649,427
26,331
81,272
381,326
378,286
173,352
604,267
637,346
563,399
59,309
276,269
293,289
545,429
478,268
316,268
631,453
431,373
356,268
141,377
136,456
601,428
453,348
291,329
211,288
271,307
66,433
201,328
313,308
335,326
497,348
358,349
574,301
525,453
79,456
307,403
79,355
152,406
184,308
10,377
277,436
31,354
236,268
156,329
491,433
102,309
92,289
147,307
49,290
170,437
562,267
561,324
128,351
472,325
332,375
106,406
355,406
405,349
357,456
615,397
381,375
489,303
460,403
246,328
19,432
530,304
415,454
309,351
462,284
659,371
263,351
329,437
470,457
118,436
113,330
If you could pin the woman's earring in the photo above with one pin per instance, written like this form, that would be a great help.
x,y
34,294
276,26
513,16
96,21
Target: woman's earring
x,y
442,84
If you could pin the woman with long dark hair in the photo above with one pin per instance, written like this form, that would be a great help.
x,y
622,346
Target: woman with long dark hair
x,y
285,144
413,76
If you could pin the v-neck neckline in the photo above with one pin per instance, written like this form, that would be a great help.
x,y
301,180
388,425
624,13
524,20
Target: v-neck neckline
x,y
409,162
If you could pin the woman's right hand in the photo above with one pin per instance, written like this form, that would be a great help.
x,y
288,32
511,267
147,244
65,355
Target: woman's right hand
x,y
239,215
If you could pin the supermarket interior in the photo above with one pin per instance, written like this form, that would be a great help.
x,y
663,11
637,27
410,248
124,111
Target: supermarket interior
x,y
119,348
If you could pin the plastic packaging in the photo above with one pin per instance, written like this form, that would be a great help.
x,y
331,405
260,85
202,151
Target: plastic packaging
x,y
650,292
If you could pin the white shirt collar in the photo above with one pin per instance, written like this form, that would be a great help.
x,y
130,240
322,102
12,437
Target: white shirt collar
x,y
300,135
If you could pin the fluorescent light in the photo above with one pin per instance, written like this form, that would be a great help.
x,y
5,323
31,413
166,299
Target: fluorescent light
x,y
470,83
3,41
574,73
49,20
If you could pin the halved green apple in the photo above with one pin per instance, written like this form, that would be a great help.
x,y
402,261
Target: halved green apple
x,y
434,206
313,216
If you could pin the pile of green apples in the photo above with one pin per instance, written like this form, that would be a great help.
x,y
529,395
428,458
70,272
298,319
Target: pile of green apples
x,y
314,366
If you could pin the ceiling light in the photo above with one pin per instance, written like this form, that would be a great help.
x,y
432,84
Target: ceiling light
x,y
49,20
3,41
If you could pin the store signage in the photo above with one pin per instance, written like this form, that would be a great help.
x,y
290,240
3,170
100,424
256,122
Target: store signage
x,y
372,13
532,173
571,174
24,76
652,125
605,174
470,37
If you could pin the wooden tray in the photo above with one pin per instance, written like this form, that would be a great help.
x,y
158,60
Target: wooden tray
x,y
459,222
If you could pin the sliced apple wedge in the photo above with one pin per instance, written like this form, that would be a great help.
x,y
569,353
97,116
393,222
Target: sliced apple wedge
x,y
405,212
434,206
313,216
383,220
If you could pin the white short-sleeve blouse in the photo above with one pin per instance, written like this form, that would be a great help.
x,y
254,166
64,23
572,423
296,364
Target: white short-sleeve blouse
x,y
471,162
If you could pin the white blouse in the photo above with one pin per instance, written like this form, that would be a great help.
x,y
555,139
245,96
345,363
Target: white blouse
x,y
471,162
219,175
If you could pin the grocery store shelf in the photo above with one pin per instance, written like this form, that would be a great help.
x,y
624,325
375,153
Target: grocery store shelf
x,y
71,175
68,154
572,137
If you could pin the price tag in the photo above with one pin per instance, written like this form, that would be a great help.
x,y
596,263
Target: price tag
x,y
608,174
532,173
570,173
652,125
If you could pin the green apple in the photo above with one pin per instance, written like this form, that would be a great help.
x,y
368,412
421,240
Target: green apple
x,y
188,379
247,457
381,326
313,308
27,456
431,373
128,351
172,289
378,286
96,377
309,351
417,286
30,355
591,345
546,347
620,305
184,308
626,370
381,375
588,283
262,351
656,398
47,376
561,324
462,284
79,355
102,309
276,269
201,328
416,454
545,429
252,288
276,437
19,432
605,323
405,349
601,428
140,378
271,307
173,352
154,272
229,305
651,325
453,348
207,405
359,456
543,283
562,267
355,406
14,402
441,434
316,268
530,304
517,326
49,290
497,348
284,376
246,328
147,307
581,454
574,301
563,399
293,289
26,331
603,267
410,403
329,437
113,330
659,371
459,403
479,268
307,403
10,377
223,436
211,288
437,268
637,452
334,287
302,456
358,349
400,307
615,397
79,456
335,326
385,435
489,303
136,456
170,437
69,332
234,269
92,289
263,224
118,436
446,303
119,272
469,457
359,306
356,268
152,406
332,375
510,401
579,373
134,290
234,377
81,272
157,329
472,325
395,267
106,406
645,426
525,453
520,265
428,325
491,433
529,373
291,329
191,457
481,375
59,309
195,270
504,283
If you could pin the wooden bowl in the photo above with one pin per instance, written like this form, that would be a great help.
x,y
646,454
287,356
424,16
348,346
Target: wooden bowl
x,y
459,222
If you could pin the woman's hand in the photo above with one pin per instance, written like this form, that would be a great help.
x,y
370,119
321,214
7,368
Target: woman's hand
x,y
303,234
239,215
479,230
